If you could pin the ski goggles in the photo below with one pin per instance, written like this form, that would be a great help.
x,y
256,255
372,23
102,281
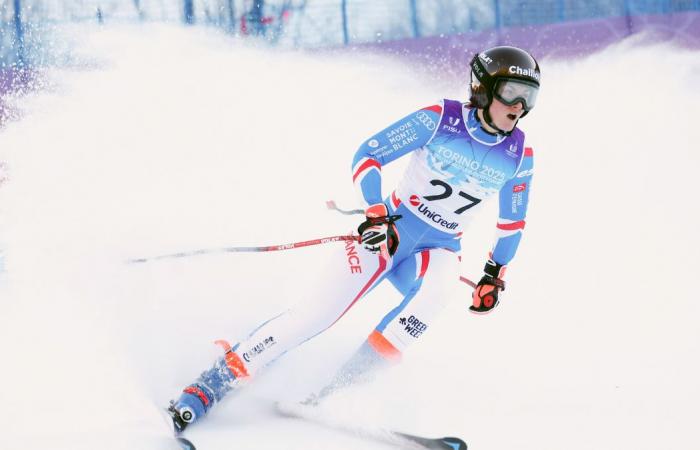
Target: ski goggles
x,y
510,92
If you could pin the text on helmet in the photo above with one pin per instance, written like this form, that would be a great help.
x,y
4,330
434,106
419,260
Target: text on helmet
x,y
527,72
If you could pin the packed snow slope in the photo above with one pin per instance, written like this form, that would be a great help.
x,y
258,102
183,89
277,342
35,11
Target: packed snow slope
x,y
164,139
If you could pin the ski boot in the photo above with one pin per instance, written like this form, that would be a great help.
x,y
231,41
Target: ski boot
x,y
181,418
209,388
187,409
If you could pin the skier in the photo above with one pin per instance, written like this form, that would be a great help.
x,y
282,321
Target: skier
x,y
460,155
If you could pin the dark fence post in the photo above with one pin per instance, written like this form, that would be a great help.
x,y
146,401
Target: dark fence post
x,y
189,12
497,21
231,16
255,16
344,11
19,33
414,19
628,17
139,10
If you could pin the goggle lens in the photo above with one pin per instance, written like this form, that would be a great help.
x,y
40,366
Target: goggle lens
x,y
511,92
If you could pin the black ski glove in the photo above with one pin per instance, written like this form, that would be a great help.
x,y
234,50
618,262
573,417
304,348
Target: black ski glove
x,y
378,234
485,296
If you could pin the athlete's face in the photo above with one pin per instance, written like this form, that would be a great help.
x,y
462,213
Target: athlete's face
x,y
503,116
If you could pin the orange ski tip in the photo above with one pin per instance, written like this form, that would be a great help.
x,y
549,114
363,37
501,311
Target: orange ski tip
x,y
223,344
233,361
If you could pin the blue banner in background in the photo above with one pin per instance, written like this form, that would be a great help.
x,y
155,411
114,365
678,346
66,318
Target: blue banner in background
x,y
24,24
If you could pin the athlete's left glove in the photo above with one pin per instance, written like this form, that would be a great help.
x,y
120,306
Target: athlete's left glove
x,y
378,232
485,296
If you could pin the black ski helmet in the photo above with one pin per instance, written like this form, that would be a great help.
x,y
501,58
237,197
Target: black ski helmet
x,y
496,64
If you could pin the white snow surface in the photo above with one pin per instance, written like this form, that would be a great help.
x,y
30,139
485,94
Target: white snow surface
x,y
172,139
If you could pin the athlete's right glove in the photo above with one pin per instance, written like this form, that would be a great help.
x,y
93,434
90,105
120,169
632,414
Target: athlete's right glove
x,y
378,234
485,296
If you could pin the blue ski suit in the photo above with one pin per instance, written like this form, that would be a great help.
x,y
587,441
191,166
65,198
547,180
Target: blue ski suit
x,y
455,165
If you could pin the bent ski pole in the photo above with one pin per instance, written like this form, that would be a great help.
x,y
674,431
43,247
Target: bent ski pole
x,y
267,248
330,204
468,281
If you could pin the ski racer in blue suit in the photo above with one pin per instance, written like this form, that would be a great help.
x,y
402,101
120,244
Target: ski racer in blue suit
x,y
461,154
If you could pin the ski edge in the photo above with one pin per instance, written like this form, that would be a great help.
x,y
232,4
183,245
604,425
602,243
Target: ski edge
x,y
379,434
185,444
446,443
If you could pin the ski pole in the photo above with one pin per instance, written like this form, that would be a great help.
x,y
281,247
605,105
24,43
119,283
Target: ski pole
x,y
468,281
330,204
266,248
